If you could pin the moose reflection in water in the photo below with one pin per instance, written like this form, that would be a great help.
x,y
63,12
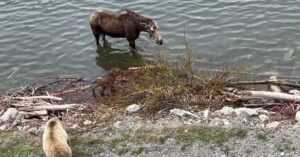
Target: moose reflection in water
x,y
109,58
124,24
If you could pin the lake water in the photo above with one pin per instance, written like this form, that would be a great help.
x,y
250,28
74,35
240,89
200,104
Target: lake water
x,y
40,39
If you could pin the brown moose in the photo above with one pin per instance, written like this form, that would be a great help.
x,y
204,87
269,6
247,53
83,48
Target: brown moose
x,y
124,24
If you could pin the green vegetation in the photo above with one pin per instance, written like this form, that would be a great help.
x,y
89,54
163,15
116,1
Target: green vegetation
x,y
287,145
15,144
262,136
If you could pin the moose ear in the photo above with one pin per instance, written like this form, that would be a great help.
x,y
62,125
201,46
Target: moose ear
x,y
143,24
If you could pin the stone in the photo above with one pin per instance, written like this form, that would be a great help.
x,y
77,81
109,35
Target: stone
x,y
263,117
133,108
33,130
182,113
3,127
249,111
207,115
226,111
297,116
272,125
9,114
75,126
87,122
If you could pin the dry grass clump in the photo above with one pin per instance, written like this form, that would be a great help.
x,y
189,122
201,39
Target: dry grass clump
x,y
165,85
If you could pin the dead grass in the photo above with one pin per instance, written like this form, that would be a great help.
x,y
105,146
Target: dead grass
x,y
162,86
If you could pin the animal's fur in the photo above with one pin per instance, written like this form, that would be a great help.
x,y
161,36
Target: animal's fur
x,y
126,24
55,140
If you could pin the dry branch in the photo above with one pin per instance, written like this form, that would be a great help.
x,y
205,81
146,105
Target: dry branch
x,y
48,108
37,97
34,113
71,90
281,83
269,95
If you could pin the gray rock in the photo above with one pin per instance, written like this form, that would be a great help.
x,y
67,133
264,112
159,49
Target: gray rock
x,y
226,111
33,130
133,108
87,122
182,113
9,114
249,111
263,117
297,116
3,127
272,125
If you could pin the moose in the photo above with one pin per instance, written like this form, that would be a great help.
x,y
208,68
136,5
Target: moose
x,y
123,24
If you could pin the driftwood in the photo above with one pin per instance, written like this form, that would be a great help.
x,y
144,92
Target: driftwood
x,y
265,104
37,97
281,83
48,108
34,113
269,95
72,90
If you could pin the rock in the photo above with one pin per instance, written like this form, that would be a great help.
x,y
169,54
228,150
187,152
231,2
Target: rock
x,y
87,122
41,129
263,117
272,125
226,111
297,116
33,130
249,111
9,114
3,127
294,91
133,108
226,122
182,113
25,128
206,114
75,126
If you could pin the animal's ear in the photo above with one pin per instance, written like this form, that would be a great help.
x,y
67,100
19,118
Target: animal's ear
x,y
144,24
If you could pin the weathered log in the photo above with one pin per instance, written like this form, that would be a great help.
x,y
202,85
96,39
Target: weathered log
x,y
48,108
38,97
281,83
34,113
269,95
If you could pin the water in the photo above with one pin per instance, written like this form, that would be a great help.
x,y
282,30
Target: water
x,y
40,39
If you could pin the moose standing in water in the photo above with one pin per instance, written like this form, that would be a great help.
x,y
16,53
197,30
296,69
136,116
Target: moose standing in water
x,y
125,24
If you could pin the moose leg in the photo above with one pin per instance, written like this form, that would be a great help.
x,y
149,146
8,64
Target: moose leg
x,y
97,38
132,44
104,39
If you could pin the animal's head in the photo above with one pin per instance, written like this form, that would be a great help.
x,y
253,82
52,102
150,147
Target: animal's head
x,y
151,27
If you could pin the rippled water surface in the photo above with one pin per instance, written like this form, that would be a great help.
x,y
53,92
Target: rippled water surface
x,y
47,38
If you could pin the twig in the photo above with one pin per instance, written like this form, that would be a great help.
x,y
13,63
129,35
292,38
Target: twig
x,y
12,73
71,90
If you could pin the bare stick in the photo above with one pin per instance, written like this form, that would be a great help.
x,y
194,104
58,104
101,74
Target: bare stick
x,y
38,97
265,104
34,113
49,108
71,90
265,82
270,95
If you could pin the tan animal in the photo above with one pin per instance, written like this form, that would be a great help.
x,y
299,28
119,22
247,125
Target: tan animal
x,y
55,140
